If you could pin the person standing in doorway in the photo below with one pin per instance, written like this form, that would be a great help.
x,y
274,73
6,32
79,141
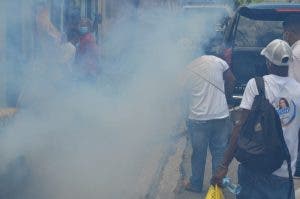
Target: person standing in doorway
x,y
87,58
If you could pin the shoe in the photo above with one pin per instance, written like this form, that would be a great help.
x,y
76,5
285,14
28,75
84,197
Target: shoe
x,y
297,174
189,187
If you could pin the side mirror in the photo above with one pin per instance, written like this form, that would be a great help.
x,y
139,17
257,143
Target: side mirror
x,y
220,28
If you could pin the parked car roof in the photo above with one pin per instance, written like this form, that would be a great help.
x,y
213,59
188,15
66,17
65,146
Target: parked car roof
x,y
270,11
190,2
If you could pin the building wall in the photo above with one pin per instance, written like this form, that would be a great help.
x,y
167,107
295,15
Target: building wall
x,y
2,29
2,51
23,42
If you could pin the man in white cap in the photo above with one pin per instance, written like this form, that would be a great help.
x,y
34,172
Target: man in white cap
x,y
283,93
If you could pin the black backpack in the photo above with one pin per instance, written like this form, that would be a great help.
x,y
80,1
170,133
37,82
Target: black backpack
x,y
261,146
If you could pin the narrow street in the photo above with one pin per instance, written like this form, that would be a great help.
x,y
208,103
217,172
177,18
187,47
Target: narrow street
x,y
95,94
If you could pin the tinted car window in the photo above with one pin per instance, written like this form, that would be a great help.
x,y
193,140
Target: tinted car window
x,y
206,11
196,18
254,33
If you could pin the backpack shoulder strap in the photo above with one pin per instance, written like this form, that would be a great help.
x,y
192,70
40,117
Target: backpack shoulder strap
x,y
260,85
288,160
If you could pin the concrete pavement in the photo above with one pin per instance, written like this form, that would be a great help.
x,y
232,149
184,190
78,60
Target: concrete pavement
x,y
172,175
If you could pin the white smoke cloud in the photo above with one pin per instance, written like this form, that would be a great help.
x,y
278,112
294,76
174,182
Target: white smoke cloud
x,y
101,141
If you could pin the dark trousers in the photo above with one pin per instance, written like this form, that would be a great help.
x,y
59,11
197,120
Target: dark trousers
x,y
259,186
212,133
297,172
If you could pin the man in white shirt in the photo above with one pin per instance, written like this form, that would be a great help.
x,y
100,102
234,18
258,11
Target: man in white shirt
x,y
208,116
291,34
284,93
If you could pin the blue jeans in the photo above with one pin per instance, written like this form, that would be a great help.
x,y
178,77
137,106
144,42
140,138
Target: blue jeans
x,y
212,133
259,186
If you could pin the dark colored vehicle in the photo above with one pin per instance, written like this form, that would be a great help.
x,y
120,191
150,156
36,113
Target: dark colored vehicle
x,y
216,15
249,31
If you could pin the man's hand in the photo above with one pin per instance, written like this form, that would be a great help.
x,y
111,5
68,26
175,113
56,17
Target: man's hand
x,y
219,175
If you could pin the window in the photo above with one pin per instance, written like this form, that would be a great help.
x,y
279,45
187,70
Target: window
x,y
254,33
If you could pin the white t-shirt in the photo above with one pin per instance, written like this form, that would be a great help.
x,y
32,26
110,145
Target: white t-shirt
x,y
206,88
294,66
284,94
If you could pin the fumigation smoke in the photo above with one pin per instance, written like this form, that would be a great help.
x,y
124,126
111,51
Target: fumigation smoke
x,y
100,139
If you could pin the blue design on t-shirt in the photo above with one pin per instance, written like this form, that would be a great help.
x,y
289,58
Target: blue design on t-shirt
x,y
286,110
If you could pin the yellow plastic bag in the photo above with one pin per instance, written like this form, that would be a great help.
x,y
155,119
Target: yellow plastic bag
x,y
214,192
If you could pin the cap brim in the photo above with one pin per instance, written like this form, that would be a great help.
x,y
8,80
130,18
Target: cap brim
x,y
263,52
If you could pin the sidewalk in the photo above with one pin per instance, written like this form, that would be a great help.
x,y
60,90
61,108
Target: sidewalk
x,y
186,167
172,175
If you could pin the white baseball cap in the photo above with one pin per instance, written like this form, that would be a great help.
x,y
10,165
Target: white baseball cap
x,y
278,52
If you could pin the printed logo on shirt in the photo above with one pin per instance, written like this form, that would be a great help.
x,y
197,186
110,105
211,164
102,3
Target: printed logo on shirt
x,y
286,110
